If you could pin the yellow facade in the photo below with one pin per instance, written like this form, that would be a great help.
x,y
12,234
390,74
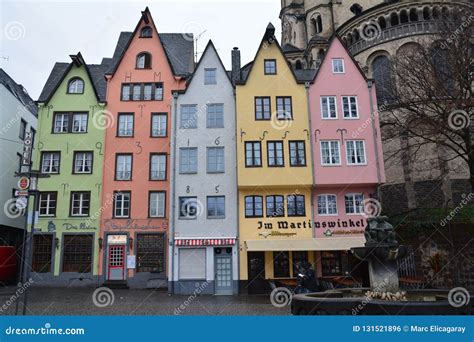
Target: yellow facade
x,y
263,180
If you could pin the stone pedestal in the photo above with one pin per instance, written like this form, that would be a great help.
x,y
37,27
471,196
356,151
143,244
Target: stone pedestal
x,y
383,275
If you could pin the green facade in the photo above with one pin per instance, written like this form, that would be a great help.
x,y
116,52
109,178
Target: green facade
x,y
66,181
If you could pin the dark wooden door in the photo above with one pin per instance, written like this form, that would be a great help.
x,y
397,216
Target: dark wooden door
x,y
256,272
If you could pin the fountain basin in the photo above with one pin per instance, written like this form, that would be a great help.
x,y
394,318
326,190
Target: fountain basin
x,y
354,302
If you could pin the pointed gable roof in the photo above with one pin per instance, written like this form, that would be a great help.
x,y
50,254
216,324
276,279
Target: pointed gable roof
x,y
60,71
178,47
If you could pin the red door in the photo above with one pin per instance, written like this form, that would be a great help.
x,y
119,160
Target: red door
x,y
116,263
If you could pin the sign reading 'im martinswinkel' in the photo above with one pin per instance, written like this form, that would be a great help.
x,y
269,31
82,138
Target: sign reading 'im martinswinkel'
x,y
27,149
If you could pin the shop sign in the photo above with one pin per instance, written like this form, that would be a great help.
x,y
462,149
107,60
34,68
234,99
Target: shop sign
x,y
27,148
276,233
205,242
341,224
117,239
23,183
80,226
285,225
133,225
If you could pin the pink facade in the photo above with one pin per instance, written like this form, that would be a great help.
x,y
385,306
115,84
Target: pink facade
x,y
146,224
347,153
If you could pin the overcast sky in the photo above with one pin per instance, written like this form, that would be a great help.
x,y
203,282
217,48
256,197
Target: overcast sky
x,y
36,34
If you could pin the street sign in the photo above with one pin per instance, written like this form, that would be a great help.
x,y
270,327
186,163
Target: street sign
x,y
21,193
23,183
21,203
27,149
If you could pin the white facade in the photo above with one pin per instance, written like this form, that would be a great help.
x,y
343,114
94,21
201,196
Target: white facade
x,y
13,116
205,177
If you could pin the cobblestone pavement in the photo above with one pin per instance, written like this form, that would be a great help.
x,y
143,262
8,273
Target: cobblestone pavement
x,y
78,301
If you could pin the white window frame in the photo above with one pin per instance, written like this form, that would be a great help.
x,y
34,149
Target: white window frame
x,y
64,117
326,196
330,152
159,167
126,123
81,204
48,206
188,171
83,162
159,128
210,80
188,122
328,107
348,97
342,63
122,202
353,142
81,128
51,162
160,204
124,169
352,195
214,148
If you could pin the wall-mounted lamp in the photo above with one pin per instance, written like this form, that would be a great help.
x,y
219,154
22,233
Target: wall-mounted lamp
x,y
56,242
131,243
101,242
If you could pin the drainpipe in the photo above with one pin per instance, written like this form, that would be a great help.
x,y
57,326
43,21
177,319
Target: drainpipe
x,y
173,190
308,108
237,234
370,84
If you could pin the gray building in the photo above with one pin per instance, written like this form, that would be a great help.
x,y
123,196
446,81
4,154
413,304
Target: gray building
x,y
204,255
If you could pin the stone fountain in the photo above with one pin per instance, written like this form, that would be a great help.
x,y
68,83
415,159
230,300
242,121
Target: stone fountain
x,y
384,297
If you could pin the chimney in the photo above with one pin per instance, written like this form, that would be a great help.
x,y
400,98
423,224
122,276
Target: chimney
x,y
235,65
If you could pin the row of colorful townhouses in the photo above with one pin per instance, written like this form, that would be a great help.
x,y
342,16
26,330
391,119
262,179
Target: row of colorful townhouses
x,y
169,174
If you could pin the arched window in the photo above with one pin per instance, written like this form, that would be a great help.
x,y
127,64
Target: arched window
x,y
413,14
403,17
382,74
356,35
426,13
382,23
436,13
319,24
145,32
75,86
298,65
144,61
443,69
444,13
394,21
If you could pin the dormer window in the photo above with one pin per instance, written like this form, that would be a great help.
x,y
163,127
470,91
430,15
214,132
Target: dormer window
x,y
75,86
338,66
270,67
144,61
145,32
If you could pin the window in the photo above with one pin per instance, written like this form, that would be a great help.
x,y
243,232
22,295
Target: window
x,y
157,205
77,253
192,263
327,205
275,153
42,253
188,208
355,152
338,66
47,203
254,206
159,125
188,116
146,32
270,67
284,108
123,167
70,122
253,154
275,206
22,133
188,160
122,204
215,160
20,162
296,205
349,105
75,86
300,258
297,153
151,253
79,123
262,108
354,204
50,162
330,154
80,203
143,61
215,116
142,91
328,107
33,134
83,162
331,263
158,167
125,125
382,72
210,76
281,264
215,207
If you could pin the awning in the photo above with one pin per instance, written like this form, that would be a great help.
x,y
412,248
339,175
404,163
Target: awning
x,y
322,244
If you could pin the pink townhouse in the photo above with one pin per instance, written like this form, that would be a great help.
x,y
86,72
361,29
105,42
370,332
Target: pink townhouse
x,y
348,162
147,67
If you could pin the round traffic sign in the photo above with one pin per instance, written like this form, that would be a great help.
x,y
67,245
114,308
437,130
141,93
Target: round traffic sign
x,y
23,183
21,203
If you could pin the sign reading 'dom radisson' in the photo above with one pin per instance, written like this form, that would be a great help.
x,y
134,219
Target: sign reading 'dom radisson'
x,y
337,224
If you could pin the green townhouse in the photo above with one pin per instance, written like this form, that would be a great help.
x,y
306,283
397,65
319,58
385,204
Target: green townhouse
x,y
71,123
